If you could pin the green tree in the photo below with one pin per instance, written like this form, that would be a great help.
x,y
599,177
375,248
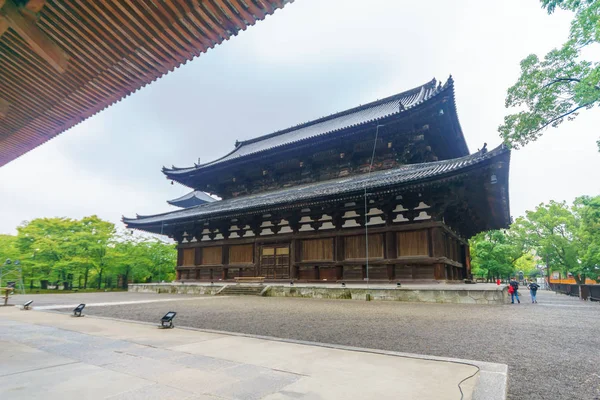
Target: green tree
x,y
567,238
555,88
47,247
494,253
8,248
587,209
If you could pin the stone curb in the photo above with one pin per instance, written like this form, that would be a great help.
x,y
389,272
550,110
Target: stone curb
x,y
492,383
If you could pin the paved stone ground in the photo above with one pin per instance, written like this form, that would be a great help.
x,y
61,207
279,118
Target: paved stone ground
x,y
54,356
552,348
40,300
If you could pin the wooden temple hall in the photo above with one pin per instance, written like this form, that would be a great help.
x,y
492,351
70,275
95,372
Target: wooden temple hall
x,y
386,191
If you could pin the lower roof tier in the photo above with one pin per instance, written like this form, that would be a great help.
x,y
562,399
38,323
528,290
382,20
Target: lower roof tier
x,y
472,190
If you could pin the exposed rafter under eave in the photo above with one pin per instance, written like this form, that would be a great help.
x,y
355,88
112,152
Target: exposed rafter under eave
x,y
62,61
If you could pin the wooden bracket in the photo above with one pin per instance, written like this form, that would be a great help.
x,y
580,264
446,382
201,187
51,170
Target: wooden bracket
x,y
4,105
32,35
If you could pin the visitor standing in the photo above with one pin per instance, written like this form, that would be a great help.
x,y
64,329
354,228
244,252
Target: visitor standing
x,y
515,291
533,288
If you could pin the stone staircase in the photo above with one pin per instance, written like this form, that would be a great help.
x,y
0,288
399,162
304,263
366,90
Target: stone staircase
x,y
241,290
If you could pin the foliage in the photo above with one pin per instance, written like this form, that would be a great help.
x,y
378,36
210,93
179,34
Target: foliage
x,y
527,264
567,238
86,251
561,84
494,253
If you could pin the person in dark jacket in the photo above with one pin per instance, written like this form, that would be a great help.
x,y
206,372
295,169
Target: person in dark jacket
x,y
515,294
533,288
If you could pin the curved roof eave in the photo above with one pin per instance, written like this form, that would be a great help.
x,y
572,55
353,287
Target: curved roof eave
x,y
402,176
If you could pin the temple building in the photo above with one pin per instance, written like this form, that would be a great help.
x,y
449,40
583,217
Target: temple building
x,y
386,191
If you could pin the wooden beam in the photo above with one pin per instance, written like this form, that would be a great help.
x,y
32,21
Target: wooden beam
x,y
34,37
4,105
3,25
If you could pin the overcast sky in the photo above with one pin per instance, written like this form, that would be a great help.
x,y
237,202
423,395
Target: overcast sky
x,y
311,59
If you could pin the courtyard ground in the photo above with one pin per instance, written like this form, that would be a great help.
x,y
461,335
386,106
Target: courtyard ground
x,y
552,348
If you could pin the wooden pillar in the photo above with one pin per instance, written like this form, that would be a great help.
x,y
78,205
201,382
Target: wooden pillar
x,y
225,254
390,253
179,256
339,255
467,261
293,245
178,275
198,256
430,242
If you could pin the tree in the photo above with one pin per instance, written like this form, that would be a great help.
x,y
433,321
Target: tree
x,y
47,246
567,238
494,253
587,210
555,88
8,248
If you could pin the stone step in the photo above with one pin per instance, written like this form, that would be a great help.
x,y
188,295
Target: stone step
x,y
239,290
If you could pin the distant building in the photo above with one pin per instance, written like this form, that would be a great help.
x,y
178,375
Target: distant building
x,y
297,203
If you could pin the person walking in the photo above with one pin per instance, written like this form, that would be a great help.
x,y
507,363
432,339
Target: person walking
x,y
533,288
515,291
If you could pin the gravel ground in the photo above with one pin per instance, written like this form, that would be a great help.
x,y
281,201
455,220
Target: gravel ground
x,y
552,348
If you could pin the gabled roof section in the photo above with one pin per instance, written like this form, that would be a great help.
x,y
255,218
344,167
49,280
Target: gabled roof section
x,y
191,199
341,188
364,114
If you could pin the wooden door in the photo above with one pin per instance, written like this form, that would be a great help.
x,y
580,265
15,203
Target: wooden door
x,y
275,262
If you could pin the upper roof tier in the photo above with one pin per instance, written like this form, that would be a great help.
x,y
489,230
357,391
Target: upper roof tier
x,y
401,104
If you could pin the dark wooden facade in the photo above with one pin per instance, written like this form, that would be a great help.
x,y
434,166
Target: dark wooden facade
x,y
413,252
383,192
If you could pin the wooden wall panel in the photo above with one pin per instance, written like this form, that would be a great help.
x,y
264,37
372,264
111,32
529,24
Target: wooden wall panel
x,y
439,248
424,272
329,273
212,255
189,256
412,243
308,273
241,254
317,249
247,272
355,246
378,272
354,272
403,272
232,273
205,273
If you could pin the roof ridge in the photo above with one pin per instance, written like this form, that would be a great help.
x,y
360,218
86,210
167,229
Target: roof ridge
x,y
419,88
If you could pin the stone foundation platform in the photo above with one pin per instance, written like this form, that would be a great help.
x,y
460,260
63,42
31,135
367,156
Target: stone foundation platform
x,y
418,293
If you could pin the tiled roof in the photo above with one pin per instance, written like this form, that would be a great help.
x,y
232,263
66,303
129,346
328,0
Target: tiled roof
x,y
364,114
339,188
191,199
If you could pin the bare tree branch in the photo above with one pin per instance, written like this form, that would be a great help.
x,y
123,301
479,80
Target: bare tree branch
x,y
558,80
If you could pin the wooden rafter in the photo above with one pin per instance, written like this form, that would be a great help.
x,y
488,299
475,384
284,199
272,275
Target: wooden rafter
x,y
33,36
115,47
